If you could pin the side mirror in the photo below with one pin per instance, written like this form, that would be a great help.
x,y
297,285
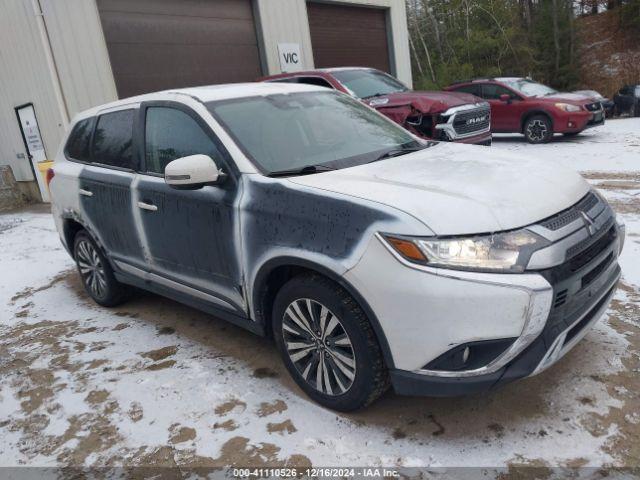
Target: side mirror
x,y
192,172
505,97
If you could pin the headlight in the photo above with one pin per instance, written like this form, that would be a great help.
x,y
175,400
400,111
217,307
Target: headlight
x,y
567,107
500,252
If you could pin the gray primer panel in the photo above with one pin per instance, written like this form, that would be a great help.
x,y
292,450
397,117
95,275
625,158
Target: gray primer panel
x,y
282,219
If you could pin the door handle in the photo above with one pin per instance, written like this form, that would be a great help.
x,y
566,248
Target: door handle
x,y
147,206
86,193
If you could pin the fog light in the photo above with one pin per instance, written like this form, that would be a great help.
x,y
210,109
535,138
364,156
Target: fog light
x,y
571,124
470,355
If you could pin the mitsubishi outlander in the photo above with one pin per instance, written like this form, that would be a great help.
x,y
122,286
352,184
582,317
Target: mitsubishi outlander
x,y
372,257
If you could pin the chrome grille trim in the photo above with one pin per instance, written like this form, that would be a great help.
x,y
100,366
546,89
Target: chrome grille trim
x,y
574,237
571,214
577,220
453,128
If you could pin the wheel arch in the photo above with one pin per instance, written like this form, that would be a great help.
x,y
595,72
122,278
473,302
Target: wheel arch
x,y
71,225
277,271
538,111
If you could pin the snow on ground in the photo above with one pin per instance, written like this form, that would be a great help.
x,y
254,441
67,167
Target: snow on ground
x,y
613,147
155,383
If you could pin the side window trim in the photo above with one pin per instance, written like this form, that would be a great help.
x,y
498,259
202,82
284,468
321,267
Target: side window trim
x,y
227,162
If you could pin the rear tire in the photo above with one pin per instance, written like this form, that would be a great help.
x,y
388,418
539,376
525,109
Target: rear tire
x,y
327,344
96,272
538,129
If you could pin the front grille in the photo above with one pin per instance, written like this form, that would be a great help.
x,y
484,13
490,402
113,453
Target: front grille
x,y
588,202
593,107
584,252
471,121
571,214
588,317
596,271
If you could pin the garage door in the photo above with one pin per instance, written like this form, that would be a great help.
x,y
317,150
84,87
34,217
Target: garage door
x,y
344,36
159,44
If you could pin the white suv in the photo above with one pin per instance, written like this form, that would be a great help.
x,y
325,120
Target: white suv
x,y
370,256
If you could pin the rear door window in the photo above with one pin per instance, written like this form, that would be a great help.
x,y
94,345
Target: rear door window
x,y
171,133
79,142
491,91
113,140
472,89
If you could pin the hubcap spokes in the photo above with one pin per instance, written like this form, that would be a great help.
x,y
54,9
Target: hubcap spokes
x,y
319,346
537,130
91,268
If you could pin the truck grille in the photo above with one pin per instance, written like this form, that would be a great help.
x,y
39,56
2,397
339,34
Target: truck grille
x,y
470,121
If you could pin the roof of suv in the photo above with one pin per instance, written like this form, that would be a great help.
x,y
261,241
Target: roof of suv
x,y
209,93
490,79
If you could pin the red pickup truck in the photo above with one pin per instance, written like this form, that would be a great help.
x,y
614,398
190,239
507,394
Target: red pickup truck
x,y
520,105
447,116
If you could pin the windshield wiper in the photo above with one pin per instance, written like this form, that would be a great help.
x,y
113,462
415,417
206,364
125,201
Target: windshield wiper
x,y
396,152
309,169
374,95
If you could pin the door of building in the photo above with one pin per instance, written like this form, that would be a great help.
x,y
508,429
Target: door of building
x,y
33,144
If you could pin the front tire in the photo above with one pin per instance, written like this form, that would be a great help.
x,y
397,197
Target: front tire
x,y
538,129
96,272
328,344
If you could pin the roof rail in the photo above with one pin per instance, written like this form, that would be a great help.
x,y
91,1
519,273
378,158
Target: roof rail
x,y
475,79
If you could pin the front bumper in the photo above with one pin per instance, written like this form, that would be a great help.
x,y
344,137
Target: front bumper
x,y
480,139
427,313
577,122
559,336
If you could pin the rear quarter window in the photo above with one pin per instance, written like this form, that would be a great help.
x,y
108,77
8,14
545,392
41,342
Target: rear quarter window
x,y
78,144
113,140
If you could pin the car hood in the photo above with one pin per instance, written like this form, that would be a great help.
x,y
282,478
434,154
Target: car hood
x,y
574,98
423,101
460,189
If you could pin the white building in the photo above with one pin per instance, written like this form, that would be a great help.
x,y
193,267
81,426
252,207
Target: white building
x,y
58,57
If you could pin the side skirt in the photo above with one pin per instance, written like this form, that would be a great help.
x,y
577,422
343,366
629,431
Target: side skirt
x,y
197,303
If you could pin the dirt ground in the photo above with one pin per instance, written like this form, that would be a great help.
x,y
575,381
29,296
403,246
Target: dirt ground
x,y
157,384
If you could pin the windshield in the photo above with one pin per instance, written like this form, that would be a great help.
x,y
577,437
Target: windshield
x,y
529,88
292,131
368,83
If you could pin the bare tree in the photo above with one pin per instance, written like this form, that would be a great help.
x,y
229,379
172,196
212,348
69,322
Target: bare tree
x,y
556,35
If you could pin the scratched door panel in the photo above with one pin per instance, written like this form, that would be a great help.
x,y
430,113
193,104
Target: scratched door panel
x,y
191,237
109,211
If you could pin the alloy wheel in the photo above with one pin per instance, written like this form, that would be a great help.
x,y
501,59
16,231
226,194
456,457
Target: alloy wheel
x,y
319,346
537,130
91,268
